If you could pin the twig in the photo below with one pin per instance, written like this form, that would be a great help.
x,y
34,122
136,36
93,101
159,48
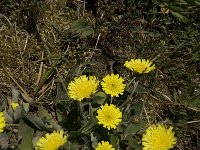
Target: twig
x,y
25,44
40,70
145,111
195,121
165,96
8,21
95,47
97,41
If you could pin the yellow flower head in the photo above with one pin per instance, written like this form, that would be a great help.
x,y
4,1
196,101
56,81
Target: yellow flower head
x,y
14,106
113,85
109,116
2,122
51,141
82,87
140,65
158,138
104,145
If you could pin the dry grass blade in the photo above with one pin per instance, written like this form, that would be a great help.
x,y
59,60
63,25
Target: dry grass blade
x,y
40,71
24,94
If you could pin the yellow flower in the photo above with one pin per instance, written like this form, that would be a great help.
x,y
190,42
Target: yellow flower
x,y
14,106
158,138
104,145
140,65
82,87
109,116
51,141
113,85
2,122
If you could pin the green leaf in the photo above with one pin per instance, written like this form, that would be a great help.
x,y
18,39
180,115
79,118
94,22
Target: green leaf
x,y
26,107
88,128
17,113
94,139
88,71
136,88
72,120
42,113
182,2
4,141
114,141
81,27
133,143
15,95
49,75
139,89
178,16
196,2
9,119
76,70
194,102
26,132
138,107
70,146
35,120
35,139
99,98
132,129
10,112
2,106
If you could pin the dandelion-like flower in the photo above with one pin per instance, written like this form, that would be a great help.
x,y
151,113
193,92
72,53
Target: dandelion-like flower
x,y
113,85
2,122
158,138
14,106
109,116
82,87
104,145
51,141
140,65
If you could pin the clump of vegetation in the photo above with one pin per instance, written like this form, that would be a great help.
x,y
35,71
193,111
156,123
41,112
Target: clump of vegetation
x,y
99,75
